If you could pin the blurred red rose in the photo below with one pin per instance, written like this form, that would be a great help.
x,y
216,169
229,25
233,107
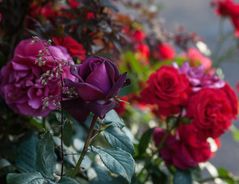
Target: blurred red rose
x,y
138,36
73,3
165,51
47,11
226,7
143,50
90,16
212,111
120,108
168,89
73,47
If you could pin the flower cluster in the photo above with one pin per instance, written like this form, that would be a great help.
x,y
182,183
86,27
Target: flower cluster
x,y
33,82
201,105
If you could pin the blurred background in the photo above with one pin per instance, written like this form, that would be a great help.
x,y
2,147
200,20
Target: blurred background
x,y
197,16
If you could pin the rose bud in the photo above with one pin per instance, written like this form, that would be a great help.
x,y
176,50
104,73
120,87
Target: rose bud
x,y
98,81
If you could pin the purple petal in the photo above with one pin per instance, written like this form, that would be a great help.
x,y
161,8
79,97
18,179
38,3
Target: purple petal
x,y
116,87
100,108
99,78
76,108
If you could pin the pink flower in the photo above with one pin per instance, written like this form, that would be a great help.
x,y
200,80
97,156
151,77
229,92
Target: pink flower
x,y
30,83
196,58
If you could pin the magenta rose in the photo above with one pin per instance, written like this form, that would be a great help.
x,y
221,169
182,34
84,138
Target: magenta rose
x,y
30,83
98,82
179,150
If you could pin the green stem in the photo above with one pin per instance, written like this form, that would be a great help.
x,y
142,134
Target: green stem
x,y
86,145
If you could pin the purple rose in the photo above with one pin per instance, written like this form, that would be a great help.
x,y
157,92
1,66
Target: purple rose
x,y
98,82
199,79
30,83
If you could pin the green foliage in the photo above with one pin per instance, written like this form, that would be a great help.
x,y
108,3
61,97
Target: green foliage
x,y
182,177
144,141
36,160
117,138
26,157
27,178
46,158
103,176
117,161
67,180
113,119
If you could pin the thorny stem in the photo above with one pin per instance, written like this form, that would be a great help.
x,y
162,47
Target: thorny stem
x,y
62,132
86,145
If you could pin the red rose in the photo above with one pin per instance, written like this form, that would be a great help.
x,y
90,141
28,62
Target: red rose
x,y
176,151
138,36
212,111
90,16
73,3
73,47
168,89
165,51
120,108
226,7
143,49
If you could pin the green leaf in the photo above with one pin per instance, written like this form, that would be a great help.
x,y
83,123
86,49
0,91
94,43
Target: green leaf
x,y
26,178
117,138
26,154
103,176
67,180
112,118
68,132
46,158
144,141
235,132
117,161
182,177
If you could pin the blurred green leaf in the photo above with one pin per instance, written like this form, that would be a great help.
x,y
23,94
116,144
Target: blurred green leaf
x,y
67,180
26,154
26,178
103,176
235,132
68,132
117,138
144,141
113,118
46,158
182,177
117,161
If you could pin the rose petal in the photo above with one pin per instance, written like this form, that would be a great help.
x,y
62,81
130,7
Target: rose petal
x,y
99,78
